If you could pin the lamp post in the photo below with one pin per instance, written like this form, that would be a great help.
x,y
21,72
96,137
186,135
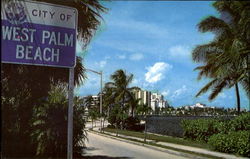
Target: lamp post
x,y
99,73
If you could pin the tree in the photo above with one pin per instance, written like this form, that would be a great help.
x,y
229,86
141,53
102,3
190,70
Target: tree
x,y
120,87
144,109
230,49
49,124
134,104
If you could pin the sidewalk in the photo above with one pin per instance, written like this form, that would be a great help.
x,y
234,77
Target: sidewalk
x,y
177,146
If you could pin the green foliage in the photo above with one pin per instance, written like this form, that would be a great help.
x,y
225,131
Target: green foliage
x,y
230,136
143,109
117,116
233,142
49,124
241,122
200,129
133,123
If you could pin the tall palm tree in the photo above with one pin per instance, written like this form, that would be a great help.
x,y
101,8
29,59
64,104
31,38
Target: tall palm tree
x,y
108,98
120,88
225,58
134,103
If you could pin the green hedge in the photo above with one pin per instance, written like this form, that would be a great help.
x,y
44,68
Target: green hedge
x,y
233,142
231,136
241,122
200,129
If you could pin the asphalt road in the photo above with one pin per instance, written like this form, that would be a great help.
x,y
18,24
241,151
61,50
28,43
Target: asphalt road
x,y
100,147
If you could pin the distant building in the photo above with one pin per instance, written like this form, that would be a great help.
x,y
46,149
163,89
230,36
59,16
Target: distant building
x,y
157,101
145,96
198,105
153,100
95,100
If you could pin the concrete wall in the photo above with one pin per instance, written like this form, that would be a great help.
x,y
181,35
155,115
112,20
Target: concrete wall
x,y
170,125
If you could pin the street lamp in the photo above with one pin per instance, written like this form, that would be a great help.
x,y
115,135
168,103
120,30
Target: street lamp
x,y
99,73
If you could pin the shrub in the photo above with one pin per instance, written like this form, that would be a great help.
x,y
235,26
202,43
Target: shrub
x,y
49,125
241,122
111,126
233,142
200,129
133,123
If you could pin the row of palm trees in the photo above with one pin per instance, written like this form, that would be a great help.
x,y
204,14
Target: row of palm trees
x,y
226,59
118,97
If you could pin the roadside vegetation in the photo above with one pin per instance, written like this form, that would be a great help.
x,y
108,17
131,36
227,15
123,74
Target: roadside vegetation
x,y
230,136
159,138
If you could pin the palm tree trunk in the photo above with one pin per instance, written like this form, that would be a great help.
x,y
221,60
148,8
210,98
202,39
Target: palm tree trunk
x,y
238,97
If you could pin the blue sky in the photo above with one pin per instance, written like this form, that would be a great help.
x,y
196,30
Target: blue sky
x,y
153,40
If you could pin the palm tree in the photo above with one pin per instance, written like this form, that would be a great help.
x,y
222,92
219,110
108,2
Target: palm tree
x,y
120,88
134,103
144,109
229,49
121,83
49,123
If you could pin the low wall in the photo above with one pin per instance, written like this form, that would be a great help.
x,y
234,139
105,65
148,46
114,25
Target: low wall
x,y
171,125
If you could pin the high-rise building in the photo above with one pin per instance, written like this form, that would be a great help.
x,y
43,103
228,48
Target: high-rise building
x,y
153,100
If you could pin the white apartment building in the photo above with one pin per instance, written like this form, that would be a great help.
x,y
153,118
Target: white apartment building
x,y
157,101
153,100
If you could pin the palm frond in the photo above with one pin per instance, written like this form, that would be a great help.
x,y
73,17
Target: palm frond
x,y
201,52
217,89
207,87
214,24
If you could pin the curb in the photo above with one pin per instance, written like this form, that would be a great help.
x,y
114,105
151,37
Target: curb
x,y
152,147
197,155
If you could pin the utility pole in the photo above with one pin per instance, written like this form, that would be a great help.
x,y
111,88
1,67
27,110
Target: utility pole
x,y
101,93
99,73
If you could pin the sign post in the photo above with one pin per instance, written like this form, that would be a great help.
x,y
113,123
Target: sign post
x,y
44,34
70,114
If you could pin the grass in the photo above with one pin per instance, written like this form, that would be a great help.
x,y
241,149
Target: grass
x,y
158,138
154,144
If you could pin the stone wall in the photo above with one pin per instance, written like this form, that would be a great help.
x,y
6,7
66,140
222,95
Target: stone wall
x,y
170,125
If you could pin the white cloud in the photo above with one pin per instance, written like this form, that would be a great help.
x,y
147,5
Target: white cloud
x,y
121,57
155,72
222,95
101,63
165,93
136,57
179,51
180,91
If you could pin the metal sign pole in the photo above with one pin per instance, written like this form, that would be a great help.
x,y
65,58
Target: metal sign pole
x,y
101,101
70,114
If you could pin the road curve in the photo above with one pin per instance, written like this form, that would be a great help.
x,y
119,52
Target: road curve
x,y
107,148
